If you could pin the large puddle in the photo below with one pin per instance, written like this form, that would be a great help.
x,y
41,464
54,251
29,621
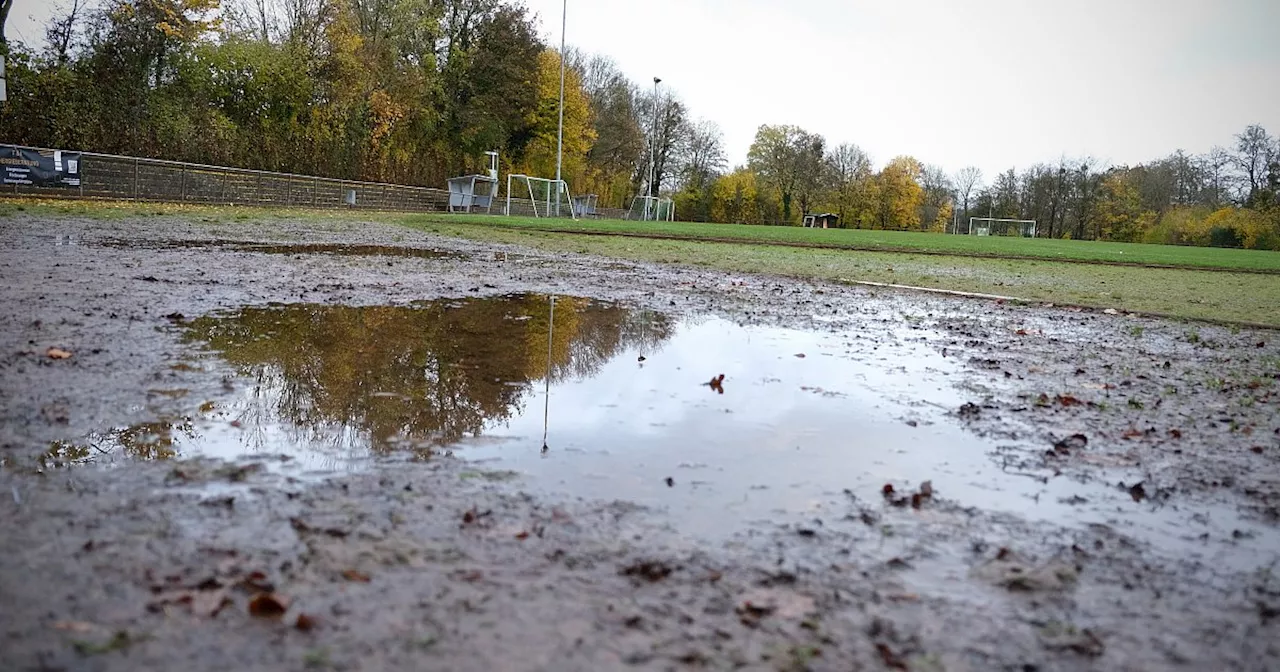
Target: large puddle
x,y
592,399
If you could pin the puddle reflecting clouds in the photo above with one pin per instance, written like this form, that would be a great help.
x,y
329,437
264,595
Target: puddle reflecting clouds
x,y
621,399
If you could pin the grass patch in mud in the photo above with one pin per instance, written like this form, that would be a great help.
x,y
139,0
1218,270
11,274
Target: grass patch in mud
x,y
1184,293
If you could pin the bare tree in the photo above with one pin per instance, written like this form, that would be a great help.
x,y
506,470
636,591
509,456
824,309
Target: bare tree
x,y
850,172
61,31
1253,156
702,155
967,181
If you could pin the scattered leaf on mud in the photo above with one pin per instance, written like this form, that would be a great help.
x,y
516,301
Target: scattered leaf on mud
x,y
208,603
355,575
58,353
1073,442
268,605
891,659
1068,400
1137,492
1175,434
887,490
121,640
474,515
306,622
74,626
522,535
1066,638
649,570
1257,449
1021,332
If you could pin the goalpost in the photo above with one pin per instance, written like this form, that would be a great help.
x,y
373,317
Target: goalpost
x,y
992,226
545,197
652,209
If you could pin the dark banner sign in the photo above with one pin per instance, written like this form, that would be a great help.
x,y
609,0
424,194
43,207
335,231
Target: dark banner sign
x,y
39,168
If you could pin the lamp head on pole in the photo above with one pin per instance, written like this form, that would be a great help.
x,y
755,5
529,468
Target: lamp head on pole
x,y
657,81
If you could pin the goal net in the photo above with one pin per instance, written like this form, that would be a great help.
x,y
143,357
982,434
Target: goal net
x,y
539,197
652,209
987,226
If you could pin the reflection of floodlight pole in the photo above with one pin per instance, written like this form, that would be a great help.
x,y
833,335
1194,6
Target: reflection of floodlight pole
x,y
546,404
564,22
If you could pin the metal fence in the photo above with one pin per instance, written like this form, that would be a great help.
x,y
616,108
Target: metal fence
x,y
128,178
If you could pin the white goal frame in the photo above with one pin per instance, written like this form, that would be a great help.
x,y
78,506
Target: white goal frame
x,y
551,207
986,230
652,209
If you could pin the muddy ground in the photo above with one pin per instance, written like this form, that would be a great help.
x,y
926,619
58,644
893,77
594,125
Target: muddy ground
x,y
1167,434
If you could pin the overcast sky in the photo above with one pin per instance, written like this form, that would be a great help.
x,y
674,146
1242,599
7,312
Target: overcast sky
x,y
991,83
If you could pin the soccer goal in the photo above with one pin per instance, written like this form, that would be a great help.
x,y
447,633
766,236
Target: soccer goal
x,y
652,209
539,197
988,226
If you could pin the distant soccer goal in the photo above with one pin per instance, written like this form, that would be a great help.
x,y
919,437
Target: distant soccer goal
x,y
988,226
652,209
539,197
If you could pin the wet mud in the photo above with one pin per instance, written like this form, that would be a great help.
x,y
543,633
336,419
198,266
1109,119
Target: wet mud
x,y
313,445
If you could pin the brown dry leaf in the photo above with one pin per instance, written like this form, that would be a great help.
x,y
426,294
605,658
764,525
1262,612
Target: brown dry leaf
x,y
74,626
1068,400
522,536
268,605
1132,434
208,603
305,622
1021,332
355,575
58,353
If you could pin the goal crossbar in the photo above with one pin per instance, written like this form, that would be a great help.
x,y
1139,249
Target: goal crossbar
x,y
998,220
552,206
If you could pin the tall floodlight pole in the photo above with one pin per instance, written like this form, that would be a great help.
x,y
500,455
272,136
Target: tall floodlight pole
x,y
564,23
653,152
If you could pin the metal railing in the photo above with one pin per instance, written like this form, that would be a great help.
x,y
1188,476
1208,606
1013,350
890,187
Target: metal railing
x,y
129,178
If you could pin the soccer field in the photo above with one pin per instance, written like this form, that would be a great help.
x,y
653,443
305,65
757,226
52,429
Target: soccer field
x,y
901,241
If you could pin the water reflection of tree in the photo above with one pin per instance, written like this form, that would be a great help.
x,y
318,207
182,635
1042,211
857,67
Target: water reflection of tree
x,y
428,374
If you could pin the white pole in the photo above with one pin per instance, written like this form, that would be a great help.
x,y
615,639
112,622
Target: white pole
x,y
653,151
564,22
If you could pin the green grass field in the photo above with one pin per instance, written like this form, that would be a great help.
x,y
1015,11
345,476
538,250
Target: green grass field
x,y
899,241
1189,293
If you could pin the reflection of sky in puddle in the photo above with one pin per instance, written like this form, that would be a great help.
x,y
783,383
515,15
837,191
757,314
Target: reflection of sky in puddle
x,y
335,387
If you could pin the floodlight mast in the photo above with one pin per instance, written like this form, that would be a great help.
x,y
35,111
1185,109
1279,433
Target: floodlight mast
x,y
564,22
653,151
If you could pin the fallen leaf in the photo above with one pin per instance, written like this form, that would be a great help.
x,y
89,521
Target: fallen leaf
x,y
355,575
1175,433
800,355
1068,400
208,603
649,570
305,622
522,536
74,626
1257,449
1138,493
887,490
1132,434
891,659
268,605
58,353
1021,332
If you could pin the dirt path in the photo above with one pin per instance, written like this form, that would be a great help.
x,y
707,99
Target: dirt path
x,y
1145,537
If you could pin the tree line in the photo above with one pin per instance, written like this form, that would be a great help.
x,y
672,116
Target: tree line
x,y
414,91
